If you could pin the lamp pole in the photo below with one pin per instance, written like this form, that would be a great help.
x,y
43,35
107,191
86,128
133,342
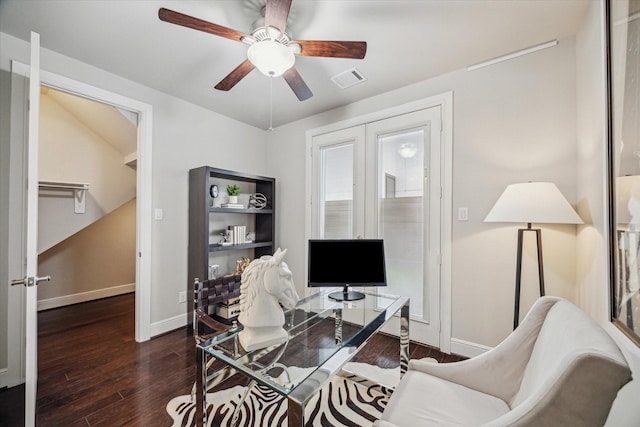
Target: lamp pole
x,y
516,307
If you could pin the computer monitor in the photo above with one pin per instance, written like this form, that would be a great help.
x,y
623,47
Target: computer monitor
x,y
346,263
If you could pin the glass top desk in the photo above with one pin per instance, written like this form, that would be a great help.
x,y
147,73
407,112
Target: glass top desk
x,y
323,336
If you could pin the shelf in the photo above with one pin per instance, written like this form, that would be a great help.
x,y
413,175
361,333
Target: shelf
x,y
205,221
243,211
217,248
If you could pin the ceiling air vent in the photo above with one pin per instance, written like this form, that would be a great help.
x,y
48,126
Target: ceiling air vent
x,y
348,78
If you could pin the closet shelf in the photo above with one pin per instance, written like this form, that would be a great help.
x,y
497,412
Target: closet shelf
x,y
79,189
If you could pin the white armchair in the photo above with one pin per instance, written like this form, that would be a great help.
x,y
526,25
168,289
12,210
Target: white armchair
x,y
558,368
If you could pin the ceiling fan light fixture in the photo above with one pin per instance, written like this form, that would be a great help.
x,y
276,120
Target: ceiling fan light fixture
x,y
407,150
270,57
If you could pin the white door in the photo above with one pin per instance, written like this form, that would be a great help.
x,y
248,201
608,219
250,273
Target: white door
x,y
403,207
26,296
388,187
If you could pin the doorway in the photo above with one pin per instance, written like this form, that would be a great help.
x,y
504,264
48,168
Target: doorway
x,y
87,207
143,182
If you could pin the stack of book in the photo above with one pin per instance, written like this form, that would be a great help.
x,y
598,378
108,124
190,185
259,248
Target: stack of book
x,y
229,309
237,234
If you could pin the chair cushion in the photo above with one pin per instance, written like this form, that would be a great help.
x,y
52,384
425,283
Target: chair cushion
x,y
425,400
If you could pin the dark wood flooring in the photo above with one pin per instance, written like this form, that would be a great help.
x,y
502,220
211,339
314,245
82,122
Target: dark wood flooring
x,y
93,373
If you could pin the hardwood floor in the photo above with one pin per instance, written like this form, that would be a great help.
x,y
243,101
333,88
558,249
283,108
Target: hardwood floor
x,y
93,373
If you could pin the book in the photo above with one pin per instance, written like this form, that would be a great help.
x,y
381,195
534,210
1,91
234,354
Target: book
x,y
230,302
228,312
236,234
232,205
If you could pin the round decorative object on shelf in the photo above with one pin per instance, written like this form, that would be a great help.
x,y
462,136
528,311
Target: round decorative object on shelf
x,y
258,201
213,191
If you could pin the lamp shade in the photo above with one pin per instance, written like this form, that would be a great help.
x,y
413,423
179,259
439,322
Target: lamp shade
x,y
533,202
628,199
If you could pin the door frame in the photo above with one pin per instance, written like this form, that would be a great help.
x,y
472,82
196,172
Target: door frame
x,y
445,102
143,182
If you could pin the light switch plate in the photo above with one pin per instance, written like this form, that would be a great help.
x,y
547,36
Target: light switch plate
x,y
463,214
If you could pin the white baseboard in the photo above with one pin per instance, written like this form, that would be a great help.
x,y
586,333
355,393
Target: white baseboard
x,y
168,325
466,348
48,303
5,381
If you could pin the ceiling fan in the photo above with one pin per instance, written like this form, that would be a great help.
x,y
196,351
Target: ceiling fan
x,y
270,49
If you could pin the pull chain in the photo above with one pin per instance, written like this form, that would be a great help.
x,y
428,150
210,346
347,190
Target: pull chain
x,y
271,102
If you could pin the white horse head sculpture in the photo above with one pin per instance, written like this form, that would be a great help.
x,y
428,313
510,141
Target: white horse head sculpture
x,y
266,283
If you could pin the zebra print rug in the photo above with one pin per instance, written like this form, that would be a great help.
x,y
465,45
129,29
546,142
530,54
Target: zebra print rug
x,y
345,401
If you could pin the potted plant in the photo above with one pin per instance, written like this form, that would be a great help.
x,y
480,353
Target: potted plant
x,y
233,191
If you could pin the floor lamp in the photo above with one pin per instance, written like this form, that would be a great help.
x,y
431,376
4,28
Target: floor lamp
x,y
531,202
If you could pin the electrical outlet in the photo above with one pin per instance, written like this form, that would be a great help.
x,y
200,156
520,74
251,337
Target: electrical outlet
x,y
182,296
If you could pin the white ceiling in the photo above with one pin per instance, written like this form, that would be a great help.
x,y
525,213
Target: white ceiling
x,y
408,41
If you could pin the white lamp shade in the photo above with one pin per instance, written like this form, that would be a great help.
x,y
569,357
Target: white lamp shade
x,y
628,199
270,57
533,202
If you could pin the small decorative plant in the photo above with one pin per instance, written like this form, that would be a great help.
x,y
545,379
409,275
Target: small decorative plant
x,y
233,190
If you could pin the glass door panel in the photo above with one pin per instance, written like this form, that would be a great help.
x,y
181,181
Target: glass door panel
x,y
401,212
336,192
337,182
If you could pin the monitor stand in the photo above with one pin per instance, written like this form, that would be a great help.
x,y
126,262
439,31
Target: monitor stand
x,y
346,295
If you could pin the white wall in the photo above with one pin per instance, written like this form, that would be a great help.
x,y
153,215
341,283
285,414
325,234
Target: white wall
x,y
99,261
184,136
513,122
592,266
71,152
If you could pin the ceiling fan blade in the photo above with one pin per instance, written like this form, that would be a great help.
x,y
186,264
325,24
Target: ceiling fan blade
x,y
178,18
295,82
332,49
235,76
277,13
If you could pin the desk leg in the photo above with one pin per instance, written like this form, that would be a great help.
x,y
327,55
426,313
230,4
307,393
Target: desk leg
x,y
201,387
338,325
404,339
295,413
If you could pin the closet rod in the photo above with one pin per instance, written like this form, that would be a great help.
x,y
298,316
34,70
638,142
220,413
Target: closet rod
x,y
79,189
60,185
